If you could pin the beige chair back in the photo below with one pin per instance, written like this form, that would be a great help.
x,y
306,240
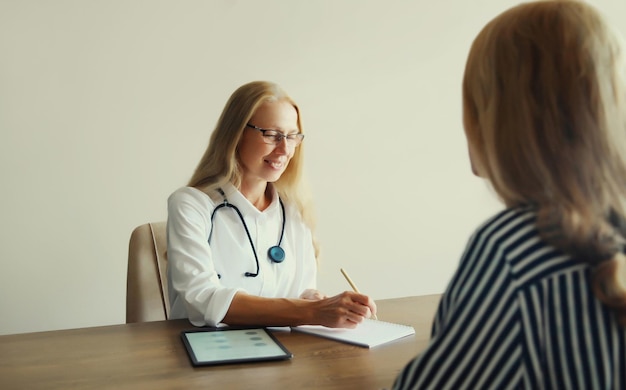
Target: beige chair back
x,y
146,283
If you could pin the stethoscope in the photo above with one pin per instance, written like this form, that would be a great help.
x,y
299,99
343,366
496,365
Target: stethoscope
x,y
275,253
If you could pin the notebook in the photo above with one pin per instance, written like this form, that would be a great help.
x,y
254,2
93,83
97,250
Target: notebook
x,y
369,333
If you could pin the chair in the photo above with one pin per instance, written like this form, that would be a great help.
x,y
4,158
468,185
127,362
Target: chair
x,y
146,283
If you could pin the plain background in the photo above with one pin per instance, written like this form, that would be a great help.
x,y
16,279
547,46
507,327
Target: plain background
x,y
107,106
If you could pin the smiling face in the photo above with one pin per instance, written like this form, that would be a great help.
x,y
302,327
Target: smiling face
x,y
262,162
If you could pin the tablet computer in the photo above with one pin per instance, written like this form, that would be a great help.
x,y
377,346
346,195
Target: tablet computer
x,y
232,345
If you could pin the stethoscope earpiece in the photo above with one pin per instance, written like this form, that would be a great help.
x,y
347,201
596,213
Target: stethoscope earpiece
x,y
275,253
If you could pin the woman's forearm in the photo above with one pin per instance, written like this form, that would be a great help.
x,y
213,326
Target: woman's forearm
x,y
345,310
248,309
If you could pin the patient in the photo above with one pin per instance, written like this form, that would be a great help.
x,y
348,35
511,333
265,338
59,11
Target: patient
x,y
539,298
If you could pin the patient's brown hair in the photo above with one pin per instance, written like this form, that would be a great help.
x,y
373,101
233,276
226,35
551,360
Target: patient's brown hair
x,y
545,116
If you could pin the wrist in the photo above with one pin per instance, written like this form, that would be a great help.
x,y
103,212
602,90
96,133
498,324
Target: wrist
x,y
305,312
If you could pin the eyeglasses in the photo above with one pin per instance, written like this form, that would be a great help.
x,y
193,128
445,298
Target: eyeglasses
x,y
274,137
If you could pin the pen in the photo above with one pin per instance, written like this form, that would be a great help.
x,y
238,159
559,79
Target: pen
x,y
356,290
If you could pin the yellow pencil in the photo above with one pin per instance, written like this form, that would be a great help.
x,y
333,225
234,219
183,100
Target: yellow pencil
x,y
356,290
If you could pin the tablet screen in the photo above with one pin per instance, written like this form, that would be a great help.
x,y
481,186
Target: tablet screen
x,y
229,345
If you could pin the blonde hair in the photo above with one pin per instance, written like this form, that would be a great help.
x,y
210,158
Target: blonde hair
x,y
545,116
220,165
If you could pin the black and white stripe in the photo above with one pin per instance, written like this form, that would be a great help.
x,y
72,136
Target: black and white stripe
x,y
519,314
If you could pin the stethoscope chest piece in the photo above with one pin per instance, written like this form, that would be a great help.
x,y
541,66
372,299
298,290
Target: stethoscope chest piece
x,y
276,253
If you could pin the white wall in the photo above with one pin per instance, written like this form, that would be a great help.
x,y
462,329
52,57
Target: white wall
x,y
106,107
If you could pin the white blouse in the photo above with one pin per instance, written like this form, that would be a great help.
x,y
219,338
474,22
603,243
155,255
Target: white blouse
x,y
203,278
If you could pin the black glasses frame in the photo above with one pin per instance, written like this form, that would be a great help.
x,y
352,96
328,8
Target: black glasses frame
x,y
274,137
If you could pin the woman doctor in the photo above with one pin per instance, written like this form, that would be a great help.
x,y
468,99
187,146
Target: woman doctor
x,y
239,236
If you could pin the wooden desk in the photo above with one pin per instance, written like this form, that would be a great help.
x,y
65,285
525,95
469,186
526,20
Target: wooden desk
x,y
151,355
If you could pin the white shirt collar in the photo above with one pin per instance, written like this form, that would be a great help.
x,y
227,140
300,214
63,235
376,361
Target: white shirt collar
x,y
235,197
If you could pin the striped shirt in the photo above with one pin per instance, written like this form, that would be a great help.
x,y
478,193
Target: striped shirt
x,y
519,314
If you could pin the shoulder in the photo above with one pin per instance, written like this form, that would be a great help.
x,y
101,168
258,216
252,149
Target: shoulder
x,y
189,195
514,234
505,230
295,220
488,247
292,212
187,199
507,223
291,209
188,206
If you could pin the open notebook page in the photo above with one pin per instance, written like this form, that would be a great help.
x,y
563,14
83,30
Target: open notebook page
x,y
370,333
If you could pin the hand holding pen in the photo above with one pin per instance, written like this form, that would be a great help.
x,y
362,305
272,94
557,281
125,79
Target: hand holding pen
x,y
356,290
345,310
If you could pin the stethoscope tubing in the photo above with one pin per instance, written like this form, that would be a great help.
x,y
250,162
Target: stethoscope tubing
x,y
275,253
